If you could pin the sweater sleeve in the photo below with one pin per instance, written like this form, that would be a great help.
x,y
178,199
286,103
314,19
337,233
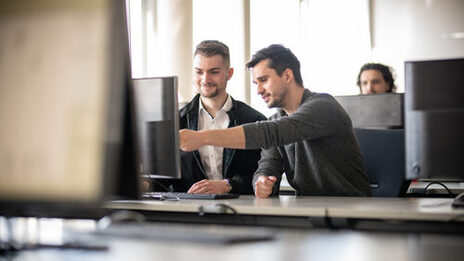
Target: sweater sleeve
x,y
270,164
313,119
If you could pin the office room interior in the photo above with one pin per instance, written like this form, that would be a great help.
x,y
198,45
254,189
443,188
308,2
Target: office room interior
x,y
75,78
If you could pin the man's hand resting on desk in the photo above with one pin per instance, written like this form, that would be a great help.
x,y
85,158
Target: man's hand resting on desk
x,y
264,185
210,187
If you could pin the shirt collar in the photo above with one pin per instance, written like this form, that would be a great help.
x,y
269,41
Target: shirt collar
x,y
226,107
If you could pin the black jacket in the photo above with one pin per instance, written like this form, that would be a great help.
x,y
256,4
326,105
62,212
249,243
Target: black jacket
x,y
238,165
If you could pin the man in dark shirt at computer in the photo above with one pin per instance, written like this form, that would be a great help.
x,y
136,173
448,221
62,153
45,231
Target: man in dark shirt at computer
x,y
212,169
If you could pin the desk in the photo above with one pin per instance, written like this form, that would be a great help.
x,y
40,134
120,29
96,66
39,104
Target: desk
x,y
298,235
289,244
339,212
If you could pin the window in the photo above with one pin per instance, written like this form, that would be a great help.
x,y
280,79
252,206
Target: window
x,y
224,21
273,21
336,43
330,37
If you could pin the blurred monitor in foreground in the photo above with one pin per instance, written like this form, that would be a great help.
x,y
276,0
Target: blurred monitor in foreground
x,y
434,105
65,135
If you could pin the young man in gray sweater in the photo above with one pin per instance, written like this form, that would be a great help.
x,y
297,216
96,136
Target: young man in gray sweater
x,y
310,138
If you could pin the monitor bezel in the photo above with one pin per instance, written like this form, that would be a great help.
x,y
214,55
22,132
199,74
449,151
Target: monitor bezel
x,y
168,83
417,116
119,179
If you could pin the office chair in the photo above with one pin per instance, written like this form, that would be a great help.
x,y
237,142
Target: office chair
x,y
384,159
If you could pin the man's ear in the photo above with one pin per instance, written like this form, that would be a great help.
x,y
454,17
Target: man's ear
x,y
230,72
288,75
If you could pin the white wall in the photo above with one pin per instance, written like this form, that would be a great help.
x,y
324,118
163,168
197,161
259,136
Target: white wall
x,y
336,43
161,41
226,24
405,30
272,22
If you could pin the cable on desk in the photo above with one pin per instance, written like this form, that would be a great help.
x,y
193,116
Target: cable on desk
x,y
160,184
219,208
460,196
438,183
119,216
233,211
328,219
458,202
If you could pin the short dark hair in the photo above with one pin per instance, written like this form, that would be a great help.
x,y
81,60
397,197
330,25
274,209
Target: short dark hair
x,y
211,48
386,73
280,58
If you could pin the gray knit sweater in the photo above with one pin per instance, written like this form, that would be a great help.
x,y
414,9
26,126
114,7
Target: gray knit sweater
x,y
315,147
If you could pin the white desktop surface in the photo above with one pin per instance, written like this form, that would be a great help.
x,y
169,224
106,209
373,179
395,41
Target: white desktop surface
x,y
247,205
416,209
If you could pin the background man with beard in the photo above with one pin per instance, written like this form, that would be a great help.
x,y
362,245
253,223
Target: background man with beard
x,y
213,169
375,78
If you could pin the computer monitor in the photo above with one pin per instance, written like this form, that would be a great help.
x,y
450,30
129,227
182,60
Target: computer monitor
x,y
374,110
157,127
434,104
65,135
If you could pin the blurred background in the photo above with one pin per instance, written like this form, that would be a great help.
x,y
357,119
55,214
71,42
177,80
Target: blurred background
x,y
331,38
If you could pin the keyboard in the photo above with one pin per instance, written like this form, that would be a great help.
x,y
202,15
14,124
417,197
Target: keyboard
x,y
184,195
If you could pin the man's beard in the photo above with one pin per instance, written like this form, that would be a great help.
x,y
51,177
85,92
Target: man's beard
x,y
274,104
209,95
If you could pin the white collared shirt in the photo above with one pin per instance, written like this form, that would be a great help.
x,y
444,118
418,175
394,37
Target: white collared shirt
x,y
211,156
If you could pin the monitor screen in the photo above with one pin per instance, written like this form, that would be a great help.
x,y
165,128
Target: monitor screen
x,y
374,110
157,127
65,141
434,104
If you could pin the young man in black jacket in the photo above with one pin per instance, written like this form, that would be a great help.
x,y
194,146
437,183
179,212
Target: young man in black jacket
x,y
212,169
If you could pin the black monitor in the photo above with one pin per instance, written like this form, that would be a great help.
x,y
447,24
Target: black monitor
x,y
379,111
65,136
434,104
157,127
